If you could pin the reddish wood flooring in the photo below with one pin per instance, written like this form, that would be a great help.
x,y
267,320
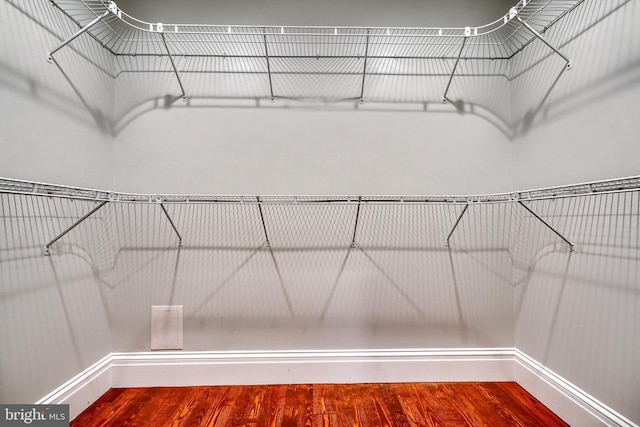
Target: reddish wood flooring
x,y
426,404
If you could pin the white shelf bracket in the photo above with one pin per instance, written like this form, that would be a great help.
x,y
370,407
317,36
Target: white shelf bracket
x,y
175,70
456,224
355,226
74,225
77,34
543,40
571,245
172,224
364,69
444,97
266,56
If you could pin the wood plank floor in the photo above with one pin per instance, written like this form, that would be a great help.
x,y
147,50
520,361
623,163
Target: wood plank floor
x,y
353,405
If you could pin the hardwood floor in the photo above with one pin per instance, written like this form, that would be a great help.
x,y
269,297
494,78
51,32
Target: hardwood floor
x,y
424,404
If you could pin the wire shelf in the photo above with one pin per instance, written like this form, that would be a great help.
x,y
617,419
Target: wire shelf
x,y
155,64
126,35
14,186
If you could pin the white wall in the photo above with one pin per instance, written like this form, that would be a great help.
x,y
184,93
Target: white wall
x,y
399,288
52,320
577,310
576,314
244,146
53,131
299,151
587,128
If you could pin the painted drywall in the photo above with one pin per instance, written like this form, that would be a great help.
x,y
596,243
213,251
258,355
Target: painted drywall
x,y
240,145
54,118
586,129
576,313
52,320
299,151
398,286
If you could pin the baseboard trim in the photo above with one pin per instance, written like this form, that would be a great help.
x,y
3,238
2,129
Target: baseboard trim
x,y
569,402
297,367
83,389
175,368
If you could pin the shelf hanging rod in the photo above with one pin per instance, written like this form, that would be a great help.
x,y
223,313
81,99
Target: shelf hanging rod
x,y
571,245
175,70
444,97
74,225
543,40
172,224
456,224
77,34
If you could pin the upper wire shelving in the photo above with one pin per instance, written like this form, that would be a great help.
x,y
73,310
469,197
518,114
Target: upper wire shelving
x,y
279,52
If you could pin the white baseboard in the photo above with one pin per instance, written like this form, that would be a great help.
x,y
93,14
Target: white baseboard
x,y
83,389
299,367
177,368
566,400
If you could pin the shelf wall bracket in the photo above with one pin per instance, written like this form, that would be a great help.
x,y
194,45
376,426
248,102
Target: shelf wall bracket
x,y
456,224
444,97
364,71
543,40
355,226
76,35
266,56
173,64
74,225
172,224
571,245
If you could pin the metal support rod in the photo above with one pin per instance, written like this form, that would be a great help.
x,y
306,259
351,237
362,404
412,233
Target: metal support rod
x,y
456,224
73,37
444,98
266,55
175,70
172,224
543,40
74,225
364,69
571,245
264,224
355,227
